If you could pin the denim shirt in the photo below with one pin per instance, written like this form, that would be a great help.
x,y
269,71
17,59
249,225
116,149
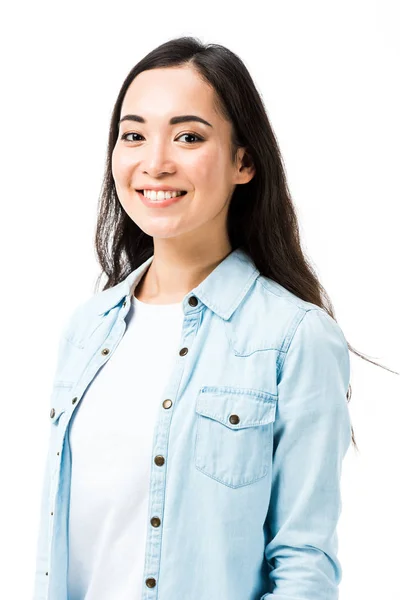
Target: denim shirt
x,y
247,461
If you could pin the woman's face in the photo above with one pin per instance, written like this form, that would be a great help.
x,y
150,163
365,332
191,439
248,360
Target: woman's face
x,y
191,156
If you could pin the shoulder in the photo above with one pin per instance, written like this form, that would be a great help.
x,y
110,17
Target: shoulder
x,y
82,320
302,321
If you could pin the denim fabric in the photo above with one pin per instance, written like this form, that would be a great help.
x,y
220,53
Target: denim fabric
x,y
247,461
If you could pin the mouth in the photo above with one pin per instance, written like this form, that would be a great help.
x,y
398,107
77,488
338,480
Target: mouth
x,y
163,203
182,192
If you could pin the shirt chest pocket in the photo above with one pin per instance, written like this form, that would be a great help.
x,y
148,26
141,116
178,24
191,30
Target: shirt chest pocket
x,y
234,434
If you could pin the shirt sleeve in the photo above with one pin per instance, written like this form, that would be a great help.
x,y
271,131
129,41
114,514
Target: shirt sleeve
x,y
312,434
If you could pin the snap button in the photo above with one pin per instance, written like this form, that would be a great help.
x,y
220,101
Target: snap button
x,y
105,351
183,351
159,460
234,419
151,582
155,521
74,399
193,301
124,304
52,413
167,403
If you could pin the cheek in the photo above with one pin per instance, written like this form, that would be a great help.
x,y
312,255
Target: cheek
x,y
115,163
121,166
207,170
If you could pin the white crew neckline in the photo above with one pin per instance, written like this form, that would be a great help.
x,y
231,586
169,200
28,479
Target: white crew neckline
x,y
151,306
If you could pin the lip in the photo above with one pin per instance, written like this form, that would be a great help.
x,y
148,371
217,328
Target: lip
x,y
160,203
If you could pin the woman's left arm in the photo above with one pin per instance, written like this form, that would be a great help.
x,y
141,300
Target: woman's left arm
x,y
312,434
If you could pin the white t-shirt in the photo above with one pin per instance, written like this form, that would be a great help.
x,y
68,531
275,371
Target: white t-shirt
x,y
111,438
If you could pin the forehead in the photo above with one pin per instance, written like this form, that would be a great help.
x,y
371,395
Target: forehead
x,y
160,92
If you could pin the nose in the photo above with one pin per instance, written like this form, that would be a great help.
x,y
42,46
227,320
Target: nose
x,y
157,160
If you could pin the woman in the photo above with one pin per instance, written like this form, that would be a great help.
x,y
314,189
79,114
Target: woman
x,y
199,414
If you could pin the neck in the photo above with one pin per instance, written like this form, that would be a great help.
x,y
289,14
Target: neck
x,y
172,274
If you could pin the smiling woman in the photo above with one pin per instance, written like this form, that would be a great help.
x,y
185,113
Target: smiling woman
x,y
201,439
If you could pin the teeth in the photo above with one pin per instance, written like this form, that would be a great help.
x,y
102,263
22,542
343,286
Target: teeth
x,y
153,195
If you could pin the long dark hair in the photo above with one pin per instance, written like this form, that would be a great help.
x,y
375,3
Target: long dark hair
x,y
266,227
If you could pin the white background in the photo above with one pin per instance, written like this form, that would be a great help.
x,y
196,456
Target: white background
x,y
328,74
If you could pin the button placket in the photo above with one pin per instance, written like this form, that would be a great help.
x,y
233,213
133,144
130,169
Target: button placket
x,y
159,460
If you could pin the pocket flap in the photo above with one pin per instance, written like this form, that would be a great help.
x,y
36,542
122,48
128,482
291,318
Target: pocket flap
x,y
59,400
252,407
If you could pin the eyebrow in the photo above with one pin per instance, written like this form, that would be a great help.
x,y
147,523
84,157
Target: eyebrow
x,y
172,121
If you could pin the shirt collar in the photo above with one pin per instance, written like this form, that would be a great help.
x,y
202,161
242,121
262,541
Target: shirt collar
x,y
221,291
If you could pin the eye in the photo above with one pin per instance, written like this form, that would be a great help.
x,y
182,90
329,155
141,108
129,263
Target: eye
x,y
125,136
192,135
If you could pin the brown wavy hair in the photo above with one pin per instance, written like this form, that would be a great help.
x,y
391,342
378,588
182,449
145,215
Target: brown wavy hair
x,y
266,227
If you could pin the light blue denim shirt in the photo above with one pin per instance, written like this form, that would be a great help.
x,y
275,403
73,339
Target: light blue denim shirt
x,y
247,461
